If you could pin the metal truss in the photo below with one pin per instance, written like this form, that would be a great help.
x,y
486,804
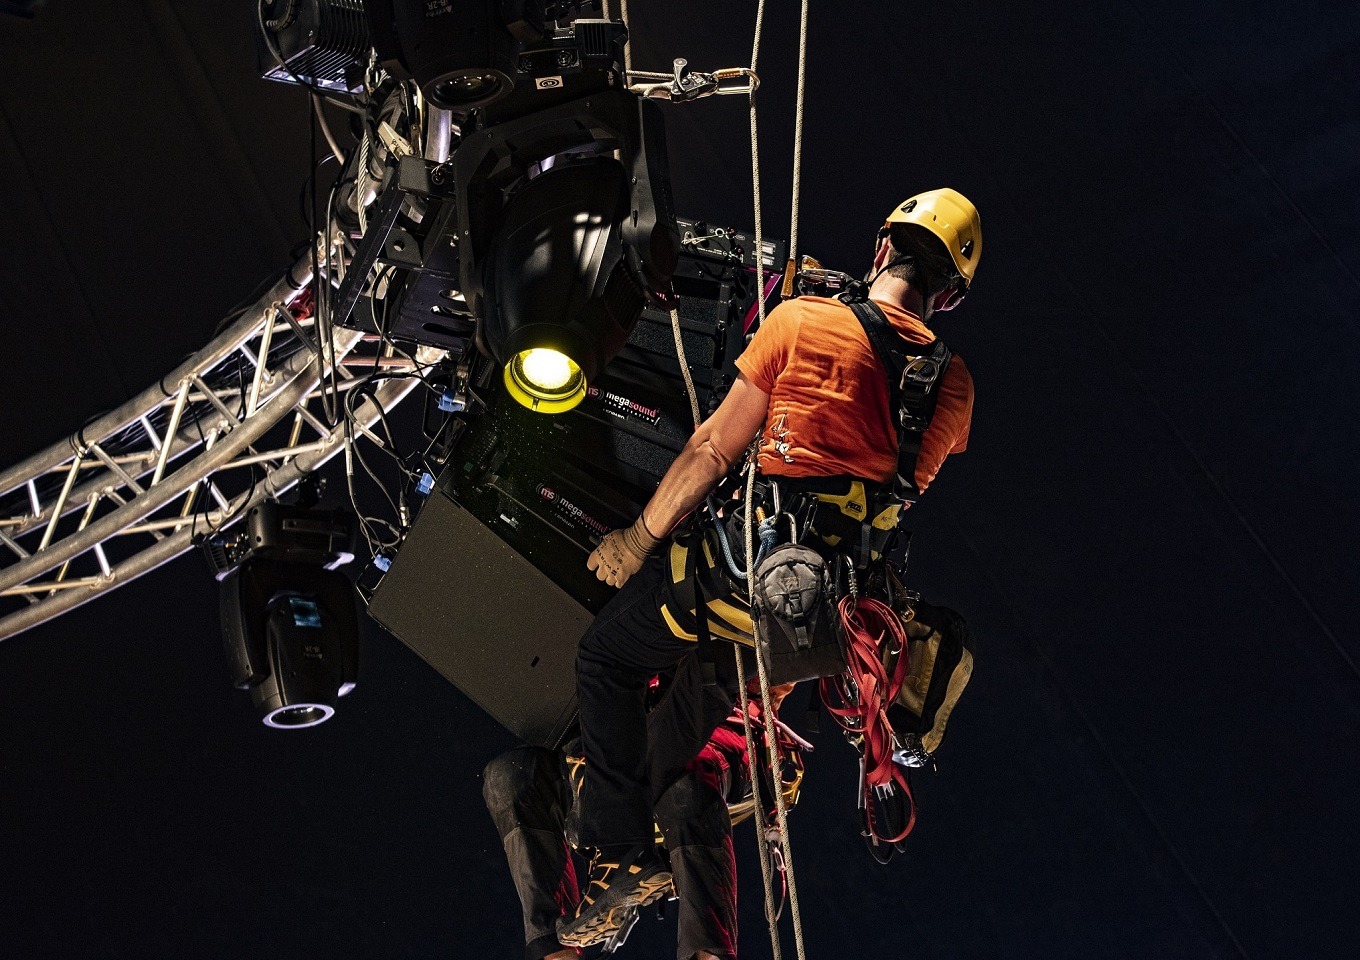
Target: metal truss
x,y
239,421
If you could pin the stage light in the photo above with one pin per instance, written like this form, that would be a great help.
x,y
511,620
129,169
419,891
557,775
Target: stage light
x,y
290,625
560,298
545,380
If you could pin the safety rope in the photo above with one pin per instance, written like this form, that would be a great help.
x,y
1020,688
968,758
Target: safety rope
x,y
771,724
790,268
771,734
752,761
684,367
755,168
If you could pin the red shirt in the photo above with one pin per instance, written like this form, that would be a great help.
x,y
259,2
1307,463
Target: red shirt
x,y
829,395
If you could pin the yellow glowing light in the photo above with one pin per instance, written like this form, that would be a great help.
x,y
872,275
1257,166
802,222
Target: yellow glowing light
x,y
547,370
545,380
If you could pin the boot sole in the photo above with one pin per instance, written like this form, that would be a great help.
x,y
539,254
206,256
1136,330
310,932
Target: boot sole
x,y
606,918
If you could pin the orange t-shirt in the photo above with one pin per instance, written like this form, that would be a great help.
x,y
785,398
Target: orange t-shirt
x,y
829,395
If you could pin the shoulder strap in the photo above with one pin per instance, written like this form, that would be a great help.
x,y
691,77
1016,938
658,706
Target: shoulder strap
x,y
882,337
914,373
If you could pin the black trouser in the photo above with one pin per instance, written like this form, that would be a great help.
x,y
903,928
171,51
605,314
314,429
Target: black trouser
x,y
529,797
632,756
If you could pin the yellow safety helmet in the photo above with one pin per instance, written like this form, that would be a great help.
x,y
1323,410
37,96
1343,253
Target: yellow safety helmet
x,y
950,216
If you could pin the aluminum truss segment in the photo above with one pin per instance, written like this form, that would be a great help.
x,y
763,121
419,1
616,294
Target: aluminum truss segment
x,y
235,423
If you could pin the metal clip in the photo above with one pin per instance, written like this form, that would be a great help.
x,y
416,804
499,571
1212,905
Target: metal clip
x,y
910,752
684,84
687,84
851,583
396,144
921,370
725,89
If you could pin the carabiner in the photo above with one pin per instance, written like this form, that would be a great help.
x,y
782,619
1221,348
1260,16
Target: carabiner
x,y
684,84
751,85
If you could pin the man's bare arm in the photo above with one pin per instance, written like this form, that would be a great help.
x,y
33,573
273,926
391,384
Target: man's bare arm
x,y
708,456
706,459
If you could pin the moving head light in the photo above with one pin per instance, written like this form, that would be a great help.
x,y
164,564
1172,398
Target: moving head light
x,y
561,300
324,43
290,625
470,54
561,242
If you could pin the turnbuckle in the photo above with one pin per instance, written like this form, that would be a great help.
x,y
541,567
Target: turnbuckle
x,y
683,84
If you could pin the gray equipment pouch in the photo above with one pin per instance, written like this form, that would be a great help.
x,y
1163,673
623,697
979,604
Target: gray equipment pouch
x,y
798,629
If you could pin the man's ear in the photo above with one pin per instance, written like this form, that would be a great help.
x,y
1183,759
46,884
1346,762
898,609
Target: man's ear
x,y
948,299
882,250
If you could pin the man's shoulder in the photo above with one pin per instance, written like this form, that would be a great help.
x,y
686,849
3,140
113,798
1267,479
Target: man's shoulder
x,y
810,310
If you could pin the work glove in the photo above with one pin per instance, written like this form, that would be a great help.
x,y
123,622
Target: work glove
x,y
622,553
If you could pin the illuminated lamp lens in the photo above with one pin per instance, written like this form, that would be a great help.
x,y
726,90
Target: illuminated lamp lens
x,y
298,716
545,380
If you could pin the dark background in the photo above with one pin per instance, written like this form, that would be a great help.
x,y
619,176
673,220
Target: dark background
x,y
1153,531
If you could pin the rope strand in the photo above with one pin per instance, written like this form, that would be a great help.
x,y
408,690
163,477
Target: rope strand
x,y
755,171
752,761
797,153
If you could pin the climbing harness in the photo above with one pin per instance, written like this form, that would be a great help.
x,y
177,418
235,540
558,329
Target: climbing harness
x,y
914,373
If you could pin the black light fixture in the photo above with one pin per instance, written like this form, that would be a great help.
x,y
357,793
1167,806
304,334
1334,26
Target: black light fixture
x,y
560,298
290,624
566,233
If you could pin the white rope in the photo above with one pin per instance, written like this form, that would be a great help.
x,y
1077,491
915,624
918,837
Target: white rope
x,y
798,137
752,763
684,367
755,170
771,732
627,47
771,737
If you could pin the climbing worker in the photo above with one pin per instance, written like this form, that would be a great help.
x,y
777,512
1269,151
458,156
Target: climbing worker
x,y
832,429
529,793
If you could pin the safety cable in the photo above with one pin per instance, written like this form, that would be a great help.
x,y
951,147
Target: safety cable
x,y
781,808
771,724
762,821
790,268
755,169
684,366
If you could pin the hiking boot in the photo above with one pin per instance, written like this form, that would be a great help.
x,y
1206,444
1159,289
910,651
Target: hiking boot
x,y
620,880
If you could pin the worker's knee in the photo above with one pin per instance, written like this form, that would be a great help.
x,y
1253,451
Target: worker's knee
x,y
522,787
692,810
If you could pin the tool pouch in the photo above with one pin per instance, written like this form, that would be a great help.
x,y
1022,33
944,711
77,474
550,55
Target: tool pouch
x,y
941,664
798,628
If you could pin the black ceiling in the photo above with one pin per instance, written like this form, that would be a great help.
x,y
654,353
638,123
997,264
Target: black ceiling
x,y
1153,531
